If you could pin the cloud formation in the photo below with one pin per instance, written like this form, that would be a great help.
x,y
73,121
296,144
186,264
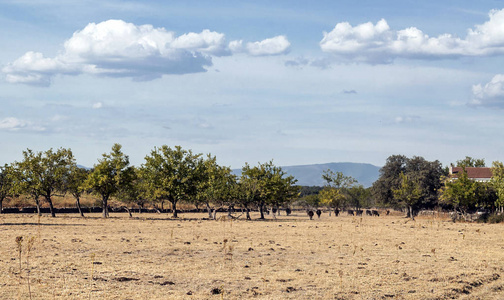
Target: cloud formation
x,y
273,46
15,124
378,43
116,48
491,94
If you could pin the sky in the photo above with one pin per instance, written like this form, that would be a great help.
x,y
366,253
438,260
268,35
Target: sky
x,y
296,82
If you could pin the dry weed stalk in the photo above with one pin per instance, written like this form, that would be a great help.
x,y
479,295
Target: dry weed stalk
x,y
29,247
19,242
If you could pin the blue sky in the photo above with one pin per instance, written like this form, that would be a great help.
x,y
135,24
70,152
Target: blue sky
x,y
251,81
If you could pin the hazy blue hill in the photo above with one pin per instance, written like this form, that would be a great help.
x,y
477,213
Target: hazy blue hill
x,y
309,175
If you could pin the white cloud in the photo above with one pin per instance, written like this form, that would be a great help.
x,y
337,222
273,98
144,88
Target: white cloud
x,y
97,105
236,46
379,44
12,124
491,94
119,49
208,42
406,119
15,124
273,46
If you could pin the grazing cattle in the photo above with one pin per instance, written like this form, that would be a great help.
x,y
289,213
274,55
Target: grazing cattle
x,y
319,212
358,212
368,212
388,212
350,212
336,212
288,211
310,214
375,213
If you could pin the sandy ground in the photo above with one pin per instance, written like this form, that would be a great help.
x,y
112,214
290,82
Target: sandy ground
x,y
152,256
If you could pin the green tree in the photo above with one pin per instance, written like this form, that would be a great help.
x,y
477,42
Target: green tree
x,y
75,184
268,186
332,197
358,196
426,173
6,183
217,185
461,193
42,174
497,182
408,194
334,192
173,174
471,162
389,179
136,192
109,176
338,180
247,194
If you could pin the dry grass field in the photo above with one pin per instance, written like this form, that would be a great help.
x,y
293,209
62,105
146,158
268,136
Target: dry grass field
x,y
152,256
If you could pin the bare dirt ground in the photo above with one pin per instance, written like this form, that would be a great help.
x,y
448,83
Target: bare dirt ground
x,y
152,256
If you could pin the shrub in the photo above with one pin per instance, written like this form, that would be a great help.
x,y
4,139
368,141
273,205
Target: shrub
x,y
496,219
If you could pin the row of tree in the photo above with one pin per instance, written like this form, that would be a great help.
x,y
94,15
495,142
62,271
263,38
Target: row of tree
x,y
168,174
177,175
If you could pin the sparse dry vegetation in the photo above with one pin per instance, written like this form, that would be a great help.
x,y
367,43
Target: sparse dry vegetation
x,y
152,256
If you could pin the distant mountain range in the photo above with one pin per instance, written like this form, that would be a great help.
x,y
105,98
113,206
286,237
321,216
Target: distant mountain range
x,y
311,175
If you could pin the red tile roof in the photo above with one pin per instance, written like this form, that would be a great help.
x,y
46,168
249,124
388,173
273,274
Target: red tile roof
x,y
472,173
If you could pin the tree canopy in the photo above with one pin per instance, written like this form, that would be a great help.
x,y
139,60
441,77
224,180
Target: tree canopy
x,y
173,174
111,174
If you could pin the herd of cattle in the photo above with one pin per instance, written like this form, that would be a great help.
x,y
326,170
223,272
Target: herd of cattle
x,y
350,212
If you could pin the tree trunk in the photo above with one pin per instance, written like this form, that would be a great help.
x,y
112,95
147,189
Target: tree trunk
x,y
248,213
412,215
79,206
105,213
37,202
129,211
209,210
48,199
261,210
174,207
